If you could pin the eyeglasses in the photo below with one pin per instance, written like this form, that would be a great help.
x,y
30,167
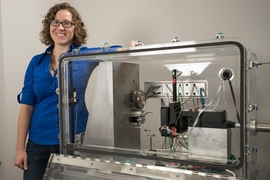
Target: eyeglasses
x,y
65,24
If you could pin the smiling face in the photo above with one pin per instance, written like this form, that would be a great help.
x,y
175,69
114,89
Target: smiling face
x,y
60,35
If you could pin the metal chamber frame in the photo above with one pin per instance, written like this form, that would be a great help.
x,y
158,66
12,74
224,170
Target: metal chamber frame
x,y
67,144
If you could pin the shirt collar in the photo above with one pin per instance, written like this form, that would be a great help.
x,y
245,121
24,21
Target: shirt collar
x,y
50,48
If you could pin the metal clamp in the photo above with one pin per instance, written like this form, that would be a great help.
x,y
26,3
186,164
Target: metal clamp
x,y
253,65
220,35
175,39
252,107
138,43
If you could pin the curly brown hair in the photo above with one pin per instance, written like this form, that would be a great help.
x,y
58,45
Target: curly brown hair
x,y
80,33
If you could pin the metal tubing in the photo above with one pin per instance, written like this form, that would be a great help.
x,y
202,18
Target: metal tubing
x,y
263,128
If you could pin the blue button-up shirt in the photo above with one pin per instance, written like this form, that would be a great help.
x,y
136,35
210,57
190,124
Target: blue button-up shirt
x,y
40,91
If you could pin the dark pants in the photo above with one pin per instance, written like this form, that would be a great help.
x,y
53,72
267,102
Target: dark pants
x,y
38,156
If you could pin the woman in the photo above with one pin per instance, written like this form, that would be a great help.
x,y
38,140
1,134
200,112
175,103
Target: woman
x,y
63,30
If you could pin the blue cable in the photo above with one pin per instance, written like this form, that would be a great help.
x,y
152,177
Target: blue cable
x,y
201,97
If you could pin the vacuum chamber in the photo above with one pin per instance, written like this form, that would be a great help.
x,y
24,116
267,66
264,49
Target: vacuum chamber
x,y
178,110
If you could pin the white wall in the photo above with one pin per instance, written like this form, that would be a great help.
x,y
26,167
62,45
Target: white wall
x,y
117,22
2,92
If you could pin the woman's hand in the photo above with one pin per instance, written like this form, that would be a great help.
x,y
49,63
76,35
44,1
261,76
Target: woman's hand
x,y
20,159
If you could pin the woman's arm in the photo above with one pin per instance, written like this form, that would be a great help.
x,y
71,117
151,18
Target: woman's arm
x,y
20,159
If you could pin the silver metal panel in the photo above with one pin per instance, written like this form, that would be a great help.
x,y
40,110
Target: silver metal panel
x,y
185,88
210,143
74,168
111,103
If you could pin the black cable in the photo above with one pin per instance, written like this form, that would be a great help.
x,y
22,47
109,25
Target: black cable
x,y
152,88
154,94
234,101
149,89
